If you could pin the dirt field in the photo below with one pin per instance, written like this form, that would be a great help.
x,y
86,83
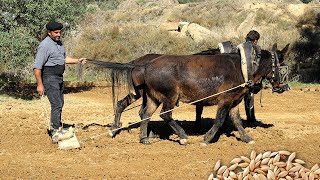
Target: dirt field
x,y
289,121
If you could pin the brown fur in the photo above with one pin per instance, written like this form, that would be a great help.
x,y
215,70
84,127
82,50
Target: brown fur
x,y
188,78
169,79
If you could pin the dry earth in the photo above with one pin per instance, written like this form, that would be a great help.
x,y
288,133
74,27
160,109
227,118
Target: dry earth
x,y
289,121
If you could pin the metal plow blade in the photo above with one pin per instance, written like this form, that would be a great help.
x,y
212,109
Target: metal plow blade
x,y
67,144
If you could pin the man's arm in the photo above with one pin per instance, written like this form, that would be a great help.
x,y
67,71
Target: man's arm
x,y
40,60
70,60
40,87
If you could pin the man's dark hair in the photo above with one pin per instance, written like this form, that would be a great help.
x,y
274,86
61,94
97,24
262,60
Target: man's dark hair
x,y
52,26
252,35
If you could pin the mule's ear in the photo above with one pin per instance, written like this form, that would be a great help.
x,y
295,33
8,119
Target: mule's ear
x,y
285,49
274,47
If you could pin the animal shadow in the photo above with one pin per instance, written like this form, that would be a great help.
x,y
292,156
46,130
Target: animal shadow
x,y
160,129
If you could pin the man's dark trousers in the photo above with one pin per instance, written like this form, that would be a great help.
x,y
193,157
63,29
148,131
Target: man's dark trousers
x,y
53,83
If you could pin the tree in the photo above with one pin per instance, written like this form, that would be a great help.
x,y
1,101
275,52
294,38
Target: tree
x,y
22,25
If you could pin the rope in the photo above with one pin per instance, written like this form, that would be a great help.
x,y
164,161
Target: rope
x,y
101,119
93,137
261,97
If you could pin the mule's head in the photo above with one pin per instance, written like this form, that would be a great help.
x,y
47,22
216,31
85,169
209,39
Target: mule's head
x,y
272,67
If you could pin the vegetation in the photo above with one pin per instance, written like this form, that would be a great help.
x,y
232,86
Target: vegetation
x,y
187,1
22,27
122,36
107,30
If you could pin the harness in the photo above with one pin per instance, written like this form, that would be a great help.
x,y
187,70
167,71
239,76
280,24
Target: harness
x,y
247,58
279,71
227,47
279,74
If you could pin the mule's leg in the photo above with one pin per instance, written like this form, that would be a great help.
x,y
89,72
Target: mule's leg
x,y
235,117
199,110
145,114
121,106
220,118
249,107
167,117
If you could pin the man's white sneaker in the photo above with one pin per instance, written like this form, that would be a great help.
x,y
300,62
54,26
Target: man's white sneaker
x,y
61,134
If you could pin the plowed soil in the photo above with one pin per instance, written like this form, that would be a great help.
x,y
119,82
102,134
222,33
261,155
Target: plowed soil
x,y
288,121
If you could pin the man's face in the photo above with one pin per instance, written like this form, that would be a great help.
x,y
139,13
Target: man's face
x,y
255,42
55,35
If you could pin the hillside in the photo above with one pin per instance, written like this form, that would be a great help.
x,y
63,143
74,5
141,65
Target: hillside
x,y
136,28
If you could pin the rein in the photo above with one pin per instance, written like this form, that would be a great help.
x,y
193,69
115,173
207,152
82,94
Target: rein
x,y
274,65
279,73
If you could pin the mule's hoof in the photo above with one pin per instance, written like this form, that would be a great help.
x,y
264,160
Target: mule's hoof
x,y
183,141
258,121
254,120
203,144
153,135
247,139
110,133
145,141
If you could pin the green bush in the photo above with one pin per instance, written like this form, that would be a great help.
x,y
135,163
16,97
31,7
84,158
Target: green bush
x,y
106,4
16,51
22,28
306,1
187,1
306,49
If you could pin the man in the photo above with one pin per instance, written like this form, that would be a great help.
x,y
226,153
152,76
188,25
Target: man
x,y
252,38
48,69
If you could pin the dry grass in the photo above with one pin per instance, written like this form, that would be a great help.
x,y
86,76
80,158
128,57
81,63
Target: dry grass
x,y
123,35
122,44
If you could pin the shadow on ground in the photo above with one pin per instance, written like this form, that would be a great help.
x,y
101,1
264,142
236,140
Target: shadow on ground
x,y
160,129
14,87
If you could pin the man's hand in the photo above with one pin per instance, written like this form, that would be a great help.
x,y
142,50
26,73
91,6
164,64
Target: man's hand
x,y
40,89
38,76
83,60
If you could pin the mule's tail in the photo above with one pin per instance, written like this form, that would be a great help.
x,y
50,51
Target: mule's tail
x,y
118,72
112,65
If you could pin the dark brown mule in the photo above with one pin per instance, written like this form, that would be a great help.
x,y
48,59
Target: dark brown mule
x,y
168,79
138,81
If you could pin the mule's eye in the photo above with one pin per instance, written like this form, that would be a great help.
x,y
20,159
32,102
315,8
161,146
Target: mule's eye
x,y
283,71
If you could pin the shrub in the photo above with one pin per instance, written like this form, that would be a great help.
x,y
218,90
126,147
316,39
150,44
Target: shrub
x,y
187,1
22,27
306,49
125,35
